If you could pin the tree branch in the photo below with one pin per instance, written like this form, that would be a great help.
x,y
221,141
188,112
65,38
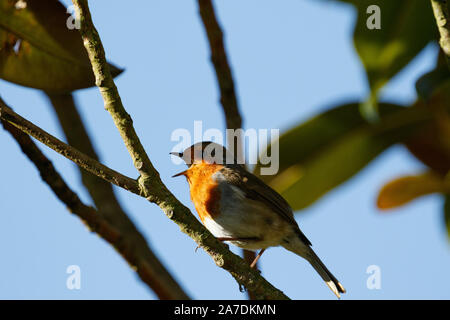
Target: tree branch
x,y
82,160
228,100
76,135
125,239
150,182
221,66
164,286
441,10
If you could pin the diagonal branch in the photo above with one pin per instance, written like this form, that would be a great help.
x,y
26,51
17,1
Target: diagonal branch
x,y
441,10
101,192
161,196
164,286
82,160
125,239
150,182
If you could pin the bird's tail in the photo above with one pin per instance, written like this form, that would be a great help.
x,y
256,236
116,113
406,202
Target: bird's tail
x,y
306,252
326,275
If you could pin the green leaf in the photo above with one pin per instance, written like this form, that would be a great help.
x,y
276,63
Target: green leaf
x,y
447,213
320,154
38,50
427,84
406,28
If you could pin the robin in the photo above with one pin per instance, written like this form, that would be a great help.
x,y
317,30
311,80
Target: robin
x,y
238,207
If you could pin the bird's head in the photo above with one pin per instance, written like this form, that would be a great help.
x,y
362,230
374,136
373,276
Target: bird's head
x,y
204,152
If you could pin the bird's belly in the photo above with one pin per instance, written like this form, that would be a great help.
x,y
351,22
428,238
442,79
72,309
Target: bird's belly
x,y
257,226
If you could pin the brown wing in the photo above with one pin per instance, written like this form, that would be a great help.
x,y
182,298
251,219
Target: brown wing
x,y
256,189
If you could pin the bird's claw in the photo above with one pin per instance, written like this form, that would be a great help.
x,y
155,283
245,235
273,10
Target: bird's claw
x,y
242,288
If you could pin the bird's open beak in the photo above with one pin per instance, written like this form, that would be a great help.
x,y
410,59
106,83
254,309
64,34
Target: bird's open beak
x,y
183,173
178,154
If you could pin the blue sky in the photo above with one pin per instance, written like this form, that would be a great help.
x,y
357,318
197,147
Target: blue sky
x,y
291,60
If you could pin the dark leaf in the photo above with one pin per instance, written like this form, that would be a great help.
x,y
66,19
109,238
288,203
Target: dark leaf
x,y
431,144
429,82
447,214
38,50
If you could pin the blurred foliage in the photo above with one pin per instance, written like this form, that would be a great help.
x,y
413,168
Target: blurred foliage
x,y
431,144
426,146
38,50
325,151
406,28
447,213
405,189
426,84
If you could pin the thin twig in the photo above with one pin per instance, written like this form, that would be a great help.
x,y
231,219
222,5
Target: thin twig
x,y
228,99
82,160
151,184
221,65
102,193
441,10
126,240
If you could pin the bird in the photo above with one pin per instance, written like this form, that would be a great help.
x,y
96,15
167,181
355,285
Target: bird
x,y
238,207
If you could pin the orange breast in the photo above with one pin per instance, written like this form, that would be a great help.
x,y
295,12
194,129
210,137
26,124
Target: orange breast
x,y
204,191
